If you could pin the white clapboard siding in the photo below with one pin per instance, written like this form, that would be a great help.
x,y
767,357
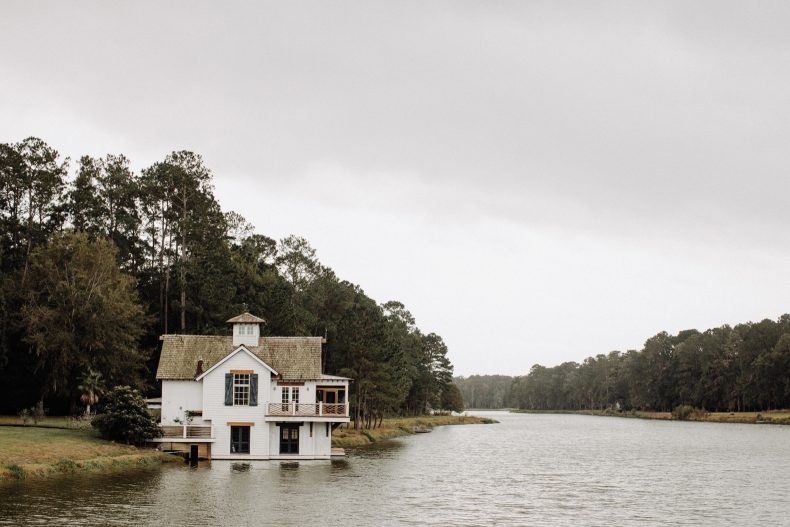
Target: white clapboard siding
x,y
178,397
214,408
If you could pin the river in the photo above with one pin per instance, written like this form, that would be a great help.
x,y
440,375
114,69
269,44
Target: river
x,y
527,470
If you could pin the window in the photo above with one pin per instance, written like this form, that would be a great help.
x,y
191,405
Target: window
x,y
289,395
239,439
241,389
284,398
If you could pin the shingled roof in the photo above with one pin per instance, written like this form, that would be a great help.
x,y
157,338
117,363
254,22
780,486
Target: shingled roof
x,y
295,358
246,318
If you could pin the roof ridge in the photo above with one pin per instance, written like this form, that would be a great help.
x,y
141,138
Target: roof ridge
x,y
202,336
284,337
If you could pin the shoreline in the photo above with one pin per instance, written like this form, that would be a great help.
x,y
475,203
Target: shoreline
x,y
54,449
45,452
401,426
771,417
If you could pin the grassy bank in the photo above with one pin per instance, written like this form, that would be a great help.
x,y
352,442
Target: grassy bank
x,y
775,417
346,436
68,423
39,452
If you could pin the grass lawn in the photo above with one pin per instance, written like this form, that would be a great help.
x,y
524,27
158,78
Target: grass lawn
x,y
346,436
40,451
51,422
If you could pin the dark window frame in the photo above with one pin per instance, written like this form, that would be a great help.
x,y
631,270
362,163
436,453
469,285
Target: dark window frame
x,y
240,439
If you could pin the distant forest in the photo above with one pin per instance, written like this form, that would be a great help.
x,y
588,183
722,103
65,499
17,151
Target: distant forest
x,y
741,368
98,261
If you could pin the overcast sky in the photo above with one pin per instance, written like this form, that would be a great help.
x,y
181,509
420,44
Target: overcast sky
x,y
536,181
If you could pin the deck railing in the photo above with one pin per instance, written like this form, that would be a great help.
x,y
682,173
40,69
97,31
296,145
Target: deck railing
x,y
308,409
188,431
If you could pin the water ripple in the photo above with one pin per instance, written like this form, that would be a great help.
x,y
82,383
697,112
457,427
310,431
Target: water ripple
x,y
529,470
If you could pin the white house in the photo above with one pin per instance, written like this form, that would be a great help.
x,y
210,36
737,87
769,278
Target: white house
x,y
249,397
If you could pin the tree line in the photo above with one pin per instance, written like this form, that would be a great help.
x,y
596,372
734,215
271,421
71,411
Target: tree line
x,y
98,260
741,368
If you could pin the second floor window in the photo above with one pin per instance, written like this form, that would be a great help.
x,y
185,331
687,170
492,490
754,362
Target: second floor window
x,y
289,395
241,389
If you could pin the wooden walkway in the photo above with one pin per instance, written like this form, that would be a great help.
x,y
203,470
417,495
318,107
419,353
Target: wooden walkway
x,y
338,452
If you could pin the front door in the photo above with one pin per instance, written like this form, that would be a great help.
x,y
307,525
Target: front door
x,y
289,438
239,439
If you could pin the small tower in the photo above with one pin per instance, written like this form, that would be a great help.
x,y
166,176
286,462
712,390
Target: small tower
x,y
246,329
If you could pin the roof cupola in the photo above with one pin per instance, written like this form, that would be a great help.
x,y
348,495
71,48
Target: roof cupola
x,y
246,329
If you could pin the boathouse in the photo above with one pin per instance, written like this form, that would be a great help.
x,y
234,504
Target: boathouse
x,y
248,396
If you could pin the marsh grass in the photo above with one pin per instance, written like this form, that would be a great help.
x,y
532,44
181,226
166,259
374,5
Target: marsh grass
x,y
773,417
346,436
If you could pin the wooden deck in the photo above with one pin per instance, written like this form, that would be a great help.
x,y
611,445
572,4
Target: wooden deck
x,y
338,452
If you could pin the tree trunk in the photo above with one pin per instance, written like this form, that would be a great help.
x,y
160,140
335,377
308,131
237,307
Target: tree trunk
x,y
183,259
29,232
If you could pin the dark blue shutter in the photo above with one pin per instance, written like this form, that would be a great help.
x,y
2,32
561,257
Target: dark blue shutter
x,y
254,389
228,389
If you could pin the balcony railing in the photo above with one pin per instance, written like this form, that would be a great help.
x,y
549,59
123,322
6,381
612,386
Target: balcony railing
x,y
308,409
187,431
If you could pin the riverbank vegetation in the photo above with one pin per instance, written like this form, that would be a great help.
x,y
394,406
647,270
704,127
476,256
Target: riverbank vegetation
x,y
98,260
773,417
348,436
745,368
36,452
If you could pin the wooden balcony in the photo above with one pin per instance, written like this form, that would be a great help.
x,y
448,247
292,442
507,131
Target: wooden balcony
x,y
307,410
170,432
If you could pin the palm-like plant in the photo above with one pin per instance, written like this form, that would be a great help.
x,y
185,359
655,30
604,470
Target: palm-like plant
x,y
91,386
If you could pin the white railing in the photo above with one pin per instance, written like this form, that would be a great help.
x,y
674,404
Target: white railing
x,y
308,409
188,431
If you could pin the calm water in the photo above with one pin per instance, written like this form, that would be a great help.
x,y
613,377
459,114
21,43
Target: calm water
x,y
528,470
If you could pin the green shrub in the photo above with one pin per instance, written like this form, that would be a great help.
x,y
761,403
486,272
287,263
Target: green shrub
x,y
126,417
65,466
686,412
36,413
17,472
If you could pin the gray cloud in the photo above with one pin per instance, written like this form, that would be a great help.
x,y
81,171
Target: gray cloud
x,y
509,169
